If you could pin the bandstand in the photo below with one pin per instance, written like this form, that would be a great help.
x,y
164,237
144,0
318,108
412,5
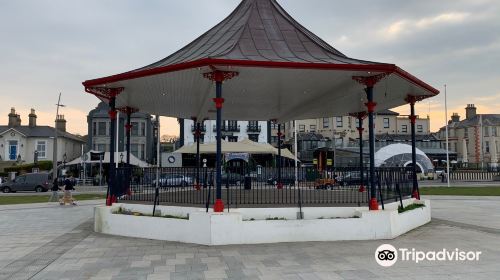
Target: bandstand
x,y
261,64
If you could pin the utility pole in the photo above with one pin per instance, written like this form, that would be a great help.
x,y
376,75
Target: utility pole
x,y
54,154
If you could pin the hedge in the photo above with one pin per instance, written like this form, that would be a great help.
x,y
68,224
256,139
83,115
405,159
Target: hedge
x,y
42,165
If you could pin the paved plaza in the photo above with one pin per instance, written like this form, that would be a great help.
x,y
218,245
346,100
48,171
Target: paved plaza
x,y
41,241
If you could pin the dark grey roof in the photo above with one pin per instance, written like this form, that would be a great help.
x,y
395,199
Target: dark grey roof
x,y
405,137
310,136
258,30
101,111
387,113
40,131
488,120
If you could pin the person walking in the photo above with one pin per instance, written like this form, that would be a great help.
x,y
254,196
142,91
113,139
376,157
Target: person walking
x,y
68,187
55,191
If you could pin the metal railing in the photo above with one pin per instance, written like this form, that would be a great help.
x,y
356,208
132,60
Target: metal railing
x,y
203,128
228,128
254,128
260,188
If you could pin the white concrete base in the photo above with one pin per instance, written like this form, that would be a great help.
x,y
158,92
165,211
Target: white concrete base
x,y
249,225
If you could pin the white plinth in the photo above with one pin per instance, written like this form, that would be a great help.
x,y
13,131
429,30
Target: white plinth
x,y
235,227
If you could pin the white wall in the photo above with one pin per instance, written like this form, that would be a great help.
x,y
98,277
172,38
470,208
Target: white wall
x,y
235,228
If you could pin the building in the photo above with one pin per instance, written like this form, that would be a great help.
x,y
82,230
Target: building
x,y
390,127
475,139
142,133
19,142
233,131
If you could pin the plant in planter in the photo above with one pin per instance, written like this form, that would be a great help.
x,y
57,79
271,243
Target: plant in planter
x,y
410,207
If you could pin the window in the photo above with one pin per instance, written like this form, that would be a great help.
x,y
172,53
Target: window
x,y
404,128
94,128
340,122
41,148
357,123
101,129
143,151
134,149
302,127
274,125
326,122
466,133
494,131
232,139
274,139
312,128
100,147
487,146
486,131
254,137
420,128
386,123
135,129
143,129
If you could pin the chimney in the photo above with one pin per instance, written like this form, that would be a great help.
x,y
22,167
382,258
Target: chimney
x,y
455,118
14,119
32,118
60,123
470,111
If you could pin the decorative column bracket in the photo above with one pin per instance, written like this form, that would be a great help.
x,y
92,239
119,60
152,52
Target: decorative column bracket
x,y
370,81
220,76
104,92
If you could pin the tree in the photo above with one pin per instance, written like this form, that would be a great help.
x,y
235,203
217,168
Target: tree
x,y
169,138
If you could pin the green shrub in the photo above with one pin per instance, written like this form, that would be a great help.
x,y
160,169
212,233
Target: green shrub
x,y
410,207
26,168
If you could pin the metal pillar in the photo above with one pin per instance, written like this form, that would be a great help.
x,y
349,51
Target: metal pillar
x,y
279,184
198,163
219,76
361,116
219,204
111,168
128,128
371,138
415,192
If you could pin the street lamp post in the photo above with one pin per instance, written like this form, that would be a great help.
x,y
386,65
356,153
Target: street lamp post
x,y
64,163
54,156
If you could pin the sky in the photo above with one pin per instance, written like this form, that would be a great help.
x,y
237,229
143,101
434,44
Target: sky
x,y
52,46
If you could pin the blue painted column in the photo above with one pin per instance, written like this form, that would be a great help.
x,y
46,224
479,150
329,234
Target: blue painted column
x,y
219,204
110,199
373,204
413,118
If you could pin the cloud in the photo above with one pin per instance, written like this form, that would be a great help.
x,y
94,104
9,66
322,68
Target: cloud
x,y
407,26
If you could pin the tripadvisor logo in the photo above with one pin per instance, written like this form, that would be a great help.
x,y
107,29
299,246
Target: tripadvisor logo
x,y
387,255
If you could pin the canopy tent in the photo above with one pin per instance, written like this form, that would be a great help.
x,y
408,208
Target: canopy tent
x,y
133,160
395,155
244,146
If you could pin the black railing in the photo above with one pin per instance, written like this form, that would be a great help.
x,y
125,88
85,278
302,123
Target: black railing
x,y
254,128
244,188
228,128
203,128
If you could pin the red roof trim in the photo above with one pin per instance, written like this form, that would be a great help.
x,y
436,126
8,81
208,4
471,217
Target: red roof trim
x,y
388,68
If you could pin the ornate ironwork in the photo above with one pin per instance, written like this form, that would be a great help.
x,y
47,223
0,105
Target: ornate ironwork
x,y
220,76
370,81
104,92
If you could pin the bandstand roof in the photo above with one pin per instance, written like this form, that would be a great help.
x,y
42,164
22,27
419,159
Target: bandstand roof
x,y
285,72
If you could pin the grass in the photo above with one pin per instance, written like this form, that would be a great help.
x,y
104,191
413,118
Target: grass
x,y
6,200
465,191
410,207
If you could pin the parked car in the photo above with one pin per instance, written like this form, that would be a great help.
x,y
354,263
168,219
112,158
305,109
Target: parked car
x,y
352,178
174,180
38,182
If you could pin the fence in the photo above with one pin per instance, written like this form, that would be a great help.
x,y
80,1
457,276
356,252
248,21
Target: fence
x,y
260,188
473,175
